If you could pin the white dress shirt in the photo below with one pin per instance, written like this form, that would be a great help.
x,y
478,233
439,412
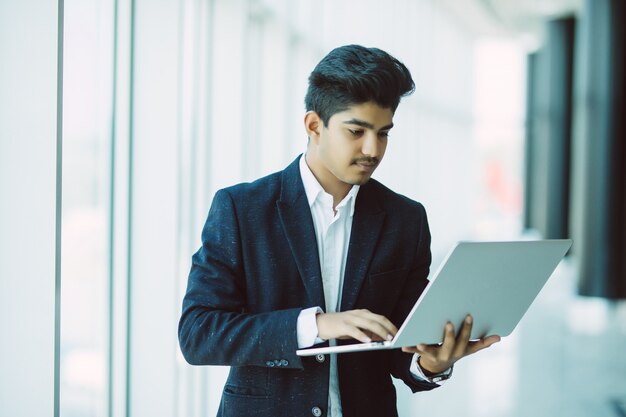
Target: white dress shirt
x,y
332,230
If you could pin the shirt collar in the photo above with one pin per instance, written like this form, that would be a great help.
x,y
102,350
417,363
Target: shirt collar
x,y
314,190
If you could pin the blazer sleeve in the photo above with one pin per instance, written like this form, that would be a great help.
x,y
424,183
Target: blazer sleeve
x,y
400,362
215,327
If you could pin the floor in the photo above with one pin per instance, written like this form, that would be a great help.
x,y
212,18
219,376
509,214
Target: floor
x,y
566,358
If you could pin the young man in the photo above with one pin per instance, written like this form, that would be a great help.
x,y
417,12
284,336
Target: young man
x,y
315,253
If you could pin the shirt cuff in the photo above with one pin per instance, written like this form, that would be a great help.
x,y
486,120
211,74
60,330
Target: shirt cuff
x,y
418,373
306,327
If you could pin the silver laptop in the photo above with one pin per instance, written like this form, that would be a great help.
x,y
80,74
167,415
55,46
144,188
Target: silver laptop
x,y
495,282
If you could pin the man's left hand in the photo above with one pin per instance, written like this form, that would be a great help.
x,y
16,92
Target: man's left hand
x,y
435,359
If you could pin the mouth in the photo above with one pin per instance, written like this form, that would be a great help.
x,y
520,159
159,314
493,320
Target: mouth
x,y
366,165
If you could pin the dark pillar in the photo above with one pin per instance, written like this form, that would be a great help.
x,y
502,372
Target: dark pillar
x,y
599,154
548,138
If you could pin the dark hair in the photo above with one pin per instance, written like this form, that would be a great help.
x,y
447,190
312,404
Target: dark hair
x,y
354,74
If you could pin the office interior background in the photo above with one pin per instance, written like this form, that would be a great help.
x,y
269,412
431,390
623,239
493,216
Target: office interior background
x,y
119,119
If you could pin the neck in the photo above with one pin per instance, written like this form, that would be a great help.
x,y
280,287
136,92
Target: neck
x,y
331,184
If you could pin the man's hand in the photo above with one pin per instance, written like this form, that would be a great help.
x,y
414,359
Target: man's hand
x,y
435,359
362,325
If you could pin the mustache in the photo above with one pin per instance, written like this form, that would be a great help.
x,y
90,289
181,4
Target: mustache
x,y
366,160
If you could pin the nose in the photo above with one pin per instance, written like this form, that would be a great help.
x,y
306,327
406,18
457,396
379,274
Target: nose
x,y
371,145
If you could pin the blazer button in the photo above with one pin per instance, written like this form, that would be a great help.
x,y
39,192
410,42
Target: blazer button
x,y
320,358
316,411
284,362
271,364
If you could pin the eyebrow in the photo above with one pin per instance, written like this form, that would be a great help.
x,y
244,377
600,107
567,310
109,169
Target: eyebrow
x,y
365,124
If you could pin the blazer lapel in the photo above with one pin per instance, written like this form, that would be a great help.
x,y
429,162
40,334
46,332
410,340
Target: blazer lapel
x,y
295,215
367,224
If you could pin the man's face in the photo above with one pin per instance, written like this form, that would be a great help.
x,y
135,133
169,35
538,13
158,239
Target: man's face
x,y
349,149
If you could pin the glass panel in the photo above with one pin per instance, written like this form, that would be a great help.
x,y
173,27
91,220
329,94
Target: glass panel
x,y
88,69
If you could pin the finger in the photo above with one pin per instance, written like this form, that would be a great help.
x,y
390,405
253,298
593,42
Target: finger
x,y
338,326
357,324
373,323
374,336
447,347
462,338
381,320
421,349
482,344
348,331
358,334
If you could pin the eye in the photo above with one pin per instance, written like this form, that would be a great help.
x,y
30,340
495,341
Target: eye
x,y
356,132
384,134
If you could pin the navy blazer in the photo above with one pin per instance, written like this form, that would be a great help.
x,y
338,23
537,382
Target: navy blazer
x,y
258,267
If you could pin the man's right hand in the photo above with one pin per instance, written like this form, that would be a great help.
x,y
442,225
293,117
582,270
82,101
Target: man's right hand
x,y
362,325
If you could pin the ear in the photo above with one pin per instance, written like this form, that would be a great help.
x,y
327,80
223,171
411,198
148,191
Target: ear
x,y
313,125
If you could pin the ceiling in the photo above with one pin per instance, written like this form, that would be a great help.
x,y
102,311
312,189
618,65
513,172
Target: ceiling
x,y
521,19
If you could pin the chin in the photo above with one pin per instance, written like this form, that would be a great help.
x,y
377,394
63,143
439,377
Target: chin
x,y
360,181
